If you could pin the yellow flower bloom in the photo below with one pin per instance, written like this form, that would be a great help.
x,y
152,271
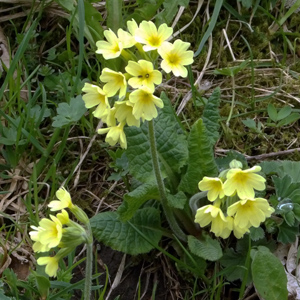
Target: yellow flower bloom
x,y
132,26
115,44
64,200
214,186
51,232
244,182
238,231
220,225
38,246
150,36
95,96
115,134
115,81
124,113
250,212
145,104
63,217
175,57
51,265
143,74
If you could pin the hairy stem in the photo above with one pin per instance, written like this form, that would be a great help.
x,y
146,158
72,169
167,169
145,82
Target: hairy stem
x,y
161,188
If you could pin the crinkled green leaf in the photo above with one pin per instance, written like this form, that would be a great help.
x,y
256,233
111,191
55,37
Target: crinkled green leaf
x,y
211,116
170,140
268,274
208,248
177,201
121,236
201,160
135,199
69,113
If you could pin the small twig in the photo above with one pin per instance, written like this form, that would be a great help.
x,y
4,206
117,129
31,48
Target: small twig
x,y
264,156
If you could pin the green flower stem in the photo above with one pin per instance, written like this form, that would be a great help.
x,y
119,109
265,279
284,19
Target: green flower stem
x,y
161,188
89,264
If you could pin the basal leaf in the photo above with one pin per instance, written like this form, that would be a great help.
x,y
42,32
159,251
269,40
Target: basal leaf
x,y
135,199
121,236
201,160
269,277
211,116
208,248
170,141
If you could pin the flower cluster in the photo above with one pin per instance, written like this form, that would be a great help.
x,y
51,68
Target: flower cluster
x,y
59,231
234,207
142,48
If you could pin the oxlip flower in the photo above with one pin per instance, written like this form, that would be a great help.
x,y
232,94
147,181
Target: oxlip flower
x,y
176,57
37,245
47,235
150,36
124,113
145,103
243,182
132,26
250,212
64,200
51,265
115,44
221,225
214,186
115,134
143,74
95,96
115,81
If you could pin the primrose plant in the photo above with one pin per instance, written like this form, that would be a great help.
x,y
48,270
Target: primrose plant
x,y
165,165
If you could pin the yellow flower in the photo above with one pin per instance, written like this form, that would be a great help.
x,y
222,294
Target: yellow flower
x,y
250,212
175,57
220,225
95,97
115,81
124,113
51,265
63,217
132,26
145,103
214,186
38,246
238,231
115,44
143,74
150,36
64,200
51,232
244,182
115,134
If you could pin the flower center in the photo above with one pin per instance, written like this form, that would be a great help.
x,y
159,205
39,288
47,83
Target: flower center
x,y
174,59
154,41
